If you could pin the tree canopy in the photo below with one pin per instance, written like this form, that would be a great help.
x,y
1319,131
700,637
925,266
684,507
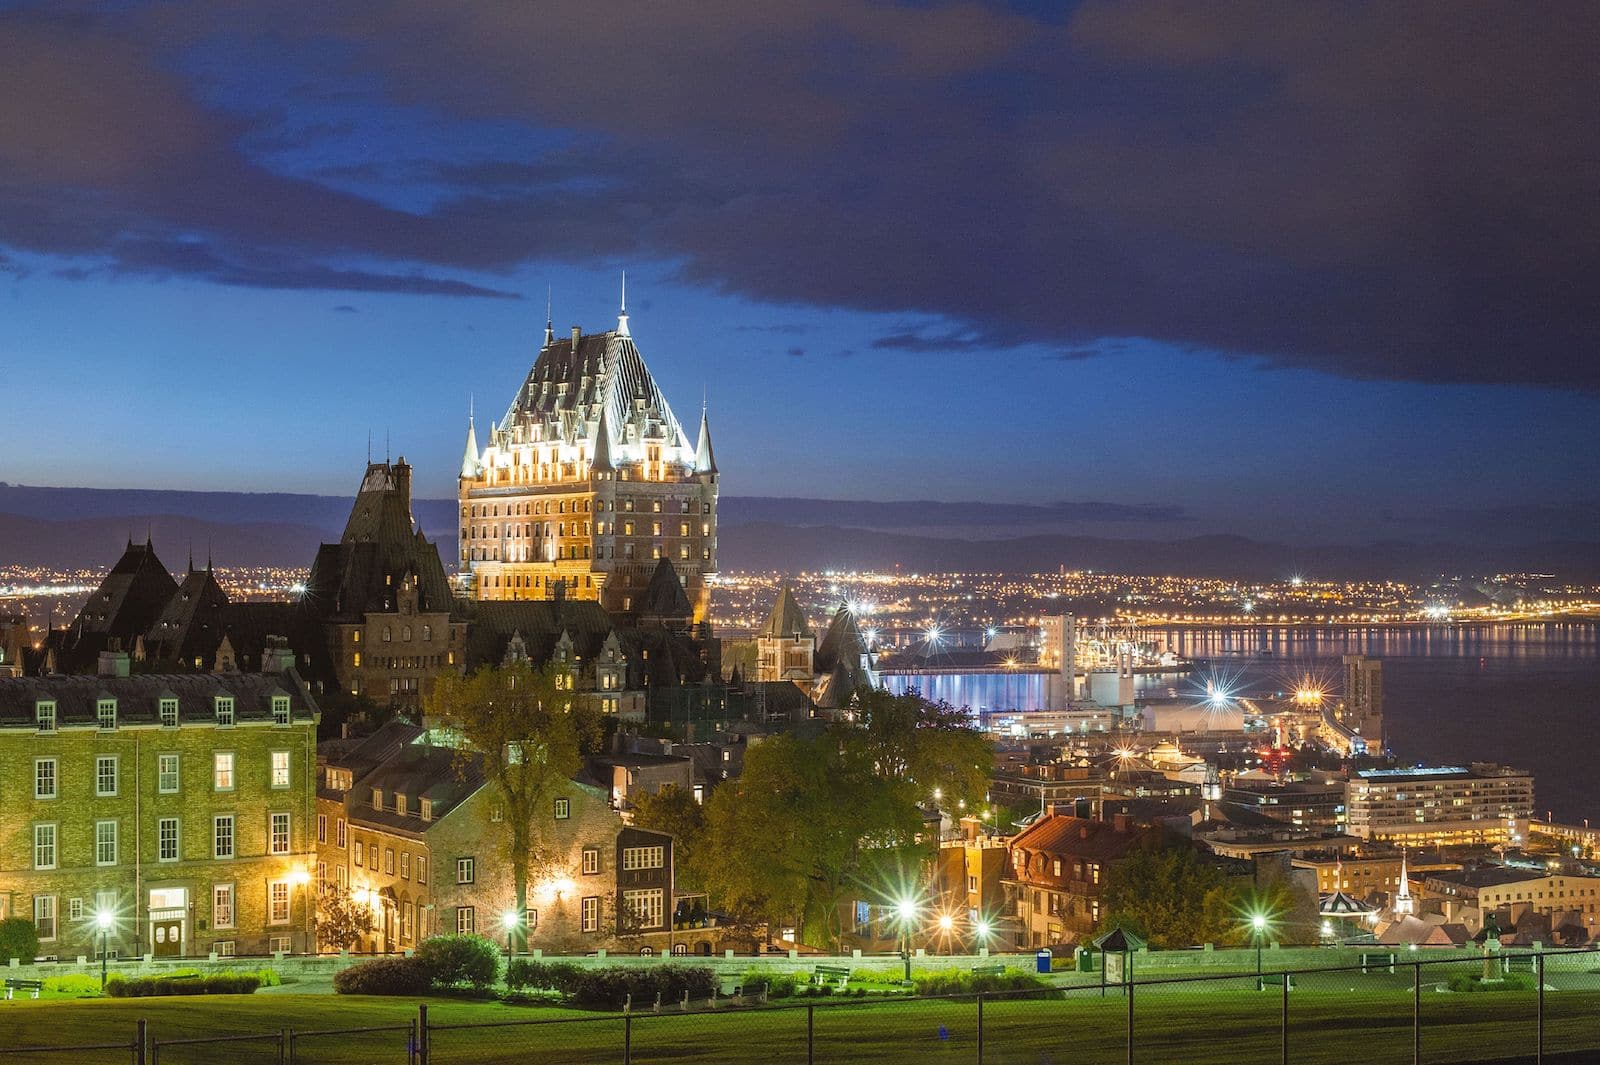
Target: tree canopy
x,y
1170,898
674,811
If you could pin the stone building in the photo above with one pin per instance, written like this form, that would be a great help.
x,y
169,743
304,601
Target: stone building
x,y
587,482
179,803
1058,867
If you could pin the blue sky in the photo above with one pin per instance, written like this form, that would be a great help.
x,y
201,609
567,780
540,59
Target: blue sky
x,y
934,251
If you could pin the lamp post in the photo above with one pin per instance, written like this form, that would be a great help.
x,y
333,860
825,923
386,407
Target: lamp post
x,y
947,925
907,909
1258,924
510,920
103,920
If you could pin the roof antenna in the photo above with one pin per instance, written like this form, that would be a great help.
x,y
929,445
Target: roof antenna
x,y
147,527
208,554
369,447
191,553
622,315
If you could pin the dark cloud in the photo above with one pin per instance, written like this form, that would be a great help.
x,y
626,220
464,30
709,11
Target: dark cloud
x,y
788,328
1370,189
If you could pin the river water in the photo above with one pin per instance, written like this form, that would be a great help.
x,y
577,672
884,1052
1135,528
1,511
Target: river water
x,y
1524,694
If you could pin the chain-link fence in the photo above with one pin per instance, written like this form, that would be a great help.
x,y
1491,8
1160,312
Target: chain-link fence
x,y
1398,1007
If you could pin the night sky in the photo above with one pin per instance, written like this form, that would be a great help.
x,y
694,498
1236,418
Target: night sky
x,y
1322,271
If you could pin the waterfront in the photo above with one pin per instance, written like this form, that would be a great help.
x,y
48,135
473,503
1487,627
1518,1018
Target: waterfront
x,y
1524,694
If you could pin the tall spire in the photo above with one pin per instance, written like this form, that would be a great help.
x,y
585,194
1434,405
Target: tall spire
x,y
704,460
549,319
622,316
469,457
600,458
1402,898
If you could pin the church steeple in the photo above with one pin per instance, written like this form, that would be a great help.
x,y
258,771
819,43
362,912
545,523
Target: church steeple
x,y
704,460
1402,897
469,457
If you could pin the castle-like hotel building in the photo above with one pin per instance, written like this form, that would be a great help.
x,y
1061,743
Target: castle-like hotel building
x,y
588,482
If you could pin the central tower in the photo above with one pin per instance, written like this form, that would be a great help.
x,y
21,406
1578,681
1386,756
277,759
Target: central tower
x,y
588,482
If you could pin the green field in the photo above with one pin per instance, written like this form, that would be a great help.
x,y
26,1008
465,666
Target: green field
x,y
1332,1018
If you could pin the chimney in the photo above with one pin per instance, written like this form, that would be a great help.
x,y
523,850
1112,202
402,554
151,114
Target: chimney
x,y
576,333
402,481
276,655
114,660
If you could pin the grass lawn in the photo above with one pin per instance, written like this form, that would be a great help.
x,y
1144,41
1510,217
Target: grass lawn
x,y
1226,1025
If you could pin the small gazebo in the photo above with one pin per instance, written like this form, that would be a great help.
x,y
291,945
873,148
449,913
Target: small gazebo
x,y
1344,917
1119,943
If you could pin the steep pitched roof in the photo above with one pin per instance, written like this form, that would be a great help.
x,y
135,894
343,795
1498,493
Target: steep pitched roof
x,y
190,626
1080,837
664,596
139,696
539,623
704,460
786,620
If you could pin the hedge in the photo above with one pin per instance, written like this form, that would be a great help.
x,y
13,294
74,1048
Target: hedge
x,y
385,976
178,984
460,961
611,986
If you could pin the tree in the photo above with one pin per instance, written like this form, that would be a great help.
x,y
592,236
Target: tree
x,y
787,839
19,940
523,729
341,920
675,812
1166,895
929,746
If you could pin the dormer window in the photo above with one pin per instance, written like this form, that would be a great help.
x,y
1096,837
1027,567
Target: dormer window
x,y
377,798
400,804
105,714
44,714
426,809
280,709
167,710
223,707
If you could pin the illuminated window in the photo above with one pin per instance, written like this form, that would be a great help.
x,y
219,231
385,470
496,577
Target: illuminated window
x,y
44,846
222,771
105,843
278,902
278,834
222,905
44,778
280,769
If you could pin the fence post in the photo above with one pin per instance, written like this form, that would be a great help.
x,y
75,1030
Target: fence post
x,y
291,1046
627,1039
282,1040
1538,962
980,1028
422,1033
811,1033
1285,1018
1416,1013
1130,1022
141,1040
411,1044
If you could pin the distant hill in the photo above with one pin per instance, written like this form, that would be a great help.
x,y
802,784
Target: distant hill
x,y
64,527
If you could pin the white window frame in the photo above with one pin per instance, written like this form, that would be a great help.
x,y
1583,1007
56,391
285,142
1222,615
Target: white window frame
x,y
103,707
280,710
466,870
224,905
278,890
563,809
280,774
44,715
217,772
167,711
222,706
55,778
590,914
101,843
274,846
217,823
46,845
641,858
46,912
466,920
101,761
647,906
591,861
322,828
177,839
175,772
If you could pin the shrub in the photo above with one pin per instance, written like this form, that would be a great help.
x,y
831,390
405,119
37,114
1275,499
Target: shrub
x,y
612,986
460,961
961,982
183,984
1470,982
526,973
80,986
18,939
384,976
779,984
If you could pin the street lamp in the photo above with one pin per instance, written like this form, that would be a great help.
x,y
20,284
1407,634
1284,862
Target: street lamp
x,y
1258,925
947,925
103,919
907,910
510,920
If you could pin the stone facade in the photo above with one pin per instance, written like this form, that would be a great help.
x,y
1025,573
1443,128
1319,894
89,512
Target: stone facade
x,y
180,804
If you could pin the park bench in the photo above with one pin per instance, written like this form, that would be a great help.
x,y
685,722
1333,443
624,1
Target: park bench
x,y
1277,979
1521,963
826,975
1381,961
14,985
988,970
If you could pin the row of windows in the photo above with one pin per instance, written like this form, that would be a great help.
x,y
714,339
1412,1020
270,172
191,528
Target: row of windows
x,y
224,839
222,707
588,914
107,774
539,508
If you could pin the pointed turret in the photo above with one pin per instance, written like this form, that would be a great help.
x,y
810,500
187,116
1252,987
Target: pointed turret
x,y
602,443
469,458
704,460
787,620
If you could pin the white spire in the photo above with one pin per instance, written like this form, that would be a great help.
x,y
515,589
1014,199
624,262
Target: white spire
x,y
1402,898
622,316
469,457
704,460
549,320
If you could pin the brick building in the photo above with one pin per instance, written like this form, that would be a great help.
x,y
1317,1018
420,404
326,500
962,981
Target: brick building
x,y
1058,867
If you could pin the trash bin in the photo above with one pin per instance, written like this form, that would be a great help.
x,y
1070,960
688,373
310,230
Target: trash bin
x,y
1085,960
1042,960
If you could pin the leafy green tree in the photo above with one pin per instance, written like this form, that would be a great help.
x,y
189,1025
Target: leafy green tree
x,y
523,726
675,812
1166,895
341,920
927,745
